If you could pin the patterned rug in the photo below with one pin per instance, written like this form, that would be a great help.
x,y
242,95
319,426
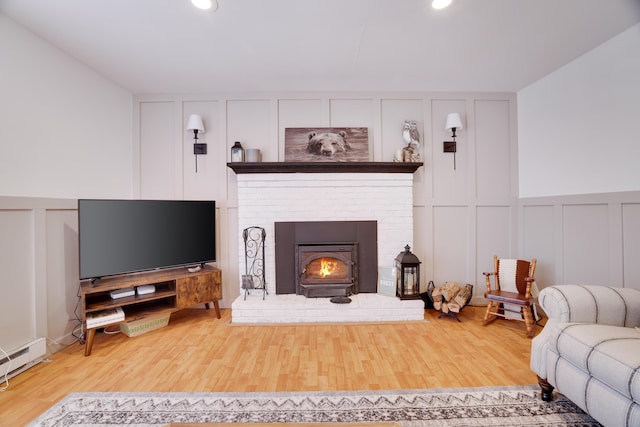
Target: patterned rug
x,y
483,406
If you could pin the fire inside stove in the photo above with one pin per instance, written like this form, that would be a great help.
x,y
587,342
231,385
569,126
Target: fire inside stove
x,y
327,267
326,270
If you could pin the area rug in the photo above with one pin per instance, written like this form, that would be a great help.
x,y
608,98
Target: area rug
x,y
483,406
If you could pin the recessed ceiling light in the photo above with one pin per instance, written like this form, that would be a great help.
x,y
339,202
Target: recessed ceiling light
x,y
440,4
205,4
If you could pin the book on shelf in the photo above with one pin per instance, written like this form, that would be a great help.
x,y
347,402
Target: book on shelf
x,y
105,317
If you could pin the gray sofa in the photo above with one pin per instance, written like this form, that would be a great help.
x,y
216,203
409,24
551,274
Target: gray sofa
x,y
589,350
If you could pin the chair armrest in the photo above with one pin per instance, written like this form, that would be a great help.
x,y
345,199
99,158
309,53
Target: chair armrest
x,y
487,279
592,304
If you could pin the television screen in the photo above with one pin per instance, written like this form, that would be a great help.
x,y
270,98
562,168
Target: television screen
x,y
125,236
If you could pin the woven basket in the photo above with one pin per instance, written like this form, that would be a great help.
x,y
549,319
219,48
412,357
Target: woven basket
x,y
148,324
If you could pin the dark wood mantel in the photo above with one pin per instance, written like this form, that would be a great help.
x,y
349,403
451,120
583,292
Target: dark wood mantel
x,y
324,167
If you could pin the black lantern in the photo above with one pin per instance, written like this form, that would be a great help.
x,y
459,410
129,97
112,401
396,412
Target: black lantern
x,y
237,152
407,267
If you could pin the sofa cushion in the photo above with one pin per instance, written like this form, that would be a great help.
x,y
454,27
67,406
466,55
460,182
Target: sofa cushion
x,y
609,353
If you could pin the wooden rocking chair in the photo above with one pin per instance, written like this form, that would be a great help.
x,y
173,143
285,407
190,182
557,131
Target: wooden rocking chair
x,y
511,298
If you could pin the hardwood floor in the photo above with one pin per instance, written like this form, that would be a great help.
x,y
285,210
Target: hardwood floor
x,y
198,352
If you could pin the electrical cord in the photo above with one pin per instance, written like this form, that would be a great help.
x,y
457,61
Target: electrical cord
x,y
6,372
80,336
111,332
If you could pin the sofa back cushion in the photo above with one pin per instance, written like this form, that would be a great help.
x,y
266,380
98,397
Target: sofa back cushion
x,y
592,304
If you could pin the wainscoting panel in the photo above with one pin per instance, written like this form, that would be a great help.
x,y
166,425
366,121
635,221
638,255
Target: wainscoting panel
x,y
39,252
394,112
248,121
537,237
353,113
295,113
493,150
450,240
586,244
158,160
62,263
631,244
209,182
17,247
450,183
493,237
583,239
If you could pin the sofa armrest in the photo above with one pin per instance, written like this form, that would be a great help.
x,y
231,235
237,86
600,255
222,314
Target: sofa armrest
x,y
592,304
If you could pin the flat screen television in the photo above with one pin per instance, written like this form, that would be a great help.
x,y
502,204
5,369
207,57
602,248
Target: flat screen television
x,y
126,236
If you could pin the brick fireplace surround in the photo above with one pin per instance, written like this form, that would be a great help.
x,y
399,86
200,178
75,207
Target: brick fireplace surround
x,y
282,192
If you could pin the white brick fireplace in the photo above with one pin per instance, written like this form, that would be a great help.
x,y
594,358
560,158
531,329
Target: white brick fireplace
x,y
267,198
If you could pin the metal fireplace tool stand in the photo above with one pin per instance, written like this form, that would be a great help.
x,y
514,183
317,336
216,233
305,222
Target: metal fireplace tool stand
x,y
254,277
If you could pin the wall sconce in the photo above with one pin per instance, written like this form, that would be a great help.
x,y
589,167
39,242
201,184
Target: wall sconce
x,y
453,122
195,124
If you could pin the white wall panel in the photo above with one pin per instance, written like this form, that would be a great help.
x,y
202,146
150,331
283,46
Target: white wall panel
x,y
493,238
586,244
393,114
423,242
17,305
158,160
209,182
248,121
450,240
296,113
631,244
62,274
354,113
449,183
537,241
493,149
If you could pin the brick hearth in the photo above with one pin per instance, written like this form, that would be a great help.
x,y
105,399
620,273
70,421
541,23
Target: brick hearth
x,y
299,309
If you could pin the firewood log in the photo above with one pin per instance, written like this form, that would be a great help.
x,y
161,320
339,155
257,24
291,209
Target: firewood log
x,y
453,306
463,295
450,290
445,307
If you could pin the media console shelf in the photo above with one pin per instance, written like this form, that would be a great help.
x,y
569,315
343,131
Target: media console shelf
x,y
175,289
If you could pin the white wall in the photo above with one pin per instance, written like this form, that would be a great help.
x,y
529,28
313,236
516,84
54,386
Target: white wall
x,y
65,131
579,127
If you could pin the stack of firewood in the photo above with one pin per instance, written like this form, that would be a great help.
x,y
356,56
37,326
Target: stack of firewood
x,y
451,297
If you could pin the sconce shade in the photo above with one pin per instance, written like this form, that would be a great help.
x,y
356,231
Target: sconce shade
x,y
453,121
195,123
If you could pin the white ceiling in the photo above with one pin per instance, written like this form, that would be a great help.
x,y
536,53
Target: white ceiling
x,y
168,46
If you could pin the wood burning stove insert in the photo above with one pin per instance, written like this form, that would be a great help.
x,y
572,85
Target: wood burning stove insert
x,y
363,235
326,269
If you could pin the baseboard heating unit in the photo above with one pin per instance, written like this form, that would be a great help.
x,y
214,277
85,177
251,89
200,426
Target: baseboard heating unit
x,y
23,357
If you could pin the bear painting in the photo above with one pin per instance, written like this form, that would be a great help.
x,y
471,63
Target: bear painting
x,y
326,145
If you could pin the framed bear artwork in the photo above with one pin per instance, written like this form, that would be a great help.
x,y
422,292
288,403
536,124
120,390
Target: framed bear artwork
x,y
326,145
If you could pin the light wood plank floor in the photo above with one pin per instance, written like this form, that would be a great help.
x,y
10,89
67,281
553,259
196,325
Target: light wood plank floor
x,y
198,352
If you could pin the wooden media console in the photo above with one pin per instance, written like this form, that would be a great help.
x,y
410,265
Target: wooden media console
x,y
175,289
